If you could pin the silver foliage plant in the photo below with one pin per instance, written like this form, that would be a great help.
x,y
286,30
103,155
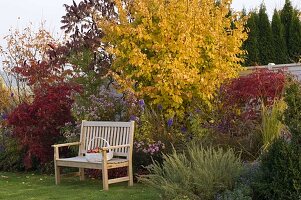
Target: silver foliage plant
x,y
199,173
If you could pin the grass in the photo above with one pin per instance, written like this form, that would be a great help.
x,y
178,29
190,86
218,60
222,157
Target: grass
x,y
32,186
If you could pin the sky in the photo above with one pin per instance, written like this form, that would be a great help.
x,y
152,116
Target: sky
x,y
270,4
18,13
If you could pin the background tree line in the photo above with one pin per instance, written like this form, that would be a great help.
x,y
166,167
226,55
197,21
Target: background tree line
x,y
278,41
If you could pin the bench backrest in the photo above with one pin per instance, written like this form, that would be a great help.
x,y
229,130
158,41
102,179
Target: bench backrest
x,y
116,133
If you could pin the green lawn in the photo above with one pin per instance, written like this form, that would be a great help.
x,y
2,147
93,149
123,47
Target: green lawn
x,y
32,186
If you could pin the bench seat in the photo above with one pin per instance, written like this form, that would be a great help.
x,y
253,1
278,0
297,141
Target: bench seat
x,y
81,162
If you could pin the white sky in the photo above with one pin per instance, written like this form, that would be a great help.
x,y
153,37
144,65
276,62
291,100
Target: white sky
x,y
270,4
18,13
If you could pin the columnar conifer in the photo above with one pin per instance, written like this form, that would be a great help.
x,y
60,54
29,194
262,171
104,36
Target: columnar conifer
x,y
265,39
286,19
279,39
294,41
251,44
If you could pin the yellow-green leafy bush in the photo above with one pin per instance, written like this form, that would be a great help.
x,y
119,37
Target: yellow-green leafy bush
x,y
172,53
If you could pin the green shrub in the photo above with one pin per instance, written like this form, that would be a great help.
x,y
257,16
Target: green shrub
x,y
280,173
199,173
154,126
243,185
292,115
241,192
11,156
196,125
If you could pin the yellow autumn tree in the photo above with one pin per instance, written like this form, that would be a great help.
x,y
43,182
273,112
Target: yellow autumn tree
x,y
172,53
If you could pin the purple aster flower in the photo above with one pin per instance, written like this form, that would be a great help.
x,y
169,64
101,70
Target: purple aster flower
x,y
170,122
12,94
133,118
183,129
160,107
4,116
141,102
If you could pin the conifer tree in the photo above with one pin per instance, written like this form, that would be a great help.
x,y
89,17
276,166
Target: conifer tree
x,y
294,41
244,12
279,39
251,44
265,39
286,18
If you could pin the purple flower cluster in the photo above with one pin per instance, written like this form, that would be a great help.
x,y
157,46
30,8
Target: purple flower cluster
x,y
134,118
151,149
170,122
141,103
71,130
107,105
4,116
160,107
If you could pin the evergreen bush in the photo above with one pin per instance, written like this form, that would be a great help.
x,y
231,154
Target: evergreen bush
x,y
280,173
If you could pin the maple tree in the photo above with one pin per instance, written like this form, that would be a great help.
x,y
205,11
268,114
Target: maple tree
x,y
240,100
36,125
173,53
37,74
261,84
44,93
24,47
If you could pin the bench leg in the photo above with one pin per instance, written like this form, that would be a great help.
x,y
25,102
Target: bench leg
x,y
130,174
57,171
105,181
81,174
105,178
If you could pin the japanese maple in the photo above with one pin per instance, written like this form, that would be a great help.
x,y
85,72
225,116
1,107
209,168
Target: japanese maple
x,y
36,125
240,100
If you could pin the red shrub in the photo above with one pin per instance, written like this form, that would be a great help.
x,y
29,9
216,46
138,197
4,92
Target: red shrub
x,y
239,101
40,73
261,86
36,126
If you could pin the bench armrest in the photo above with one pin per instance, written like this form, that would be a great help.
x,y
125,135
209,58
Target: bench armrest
x,y
115,147
66,144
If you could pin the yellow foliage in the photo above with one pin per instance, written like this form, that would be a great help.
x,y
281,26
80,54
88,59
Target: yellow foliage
x,y
4,97
174,52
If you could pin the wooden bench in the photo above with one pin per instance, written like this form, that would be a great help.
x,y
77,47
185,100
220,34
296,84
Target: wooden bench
x,y
120,137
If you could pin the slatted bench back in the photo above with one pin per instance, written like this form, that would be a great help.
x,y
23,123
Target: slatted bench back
x,y
116,133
